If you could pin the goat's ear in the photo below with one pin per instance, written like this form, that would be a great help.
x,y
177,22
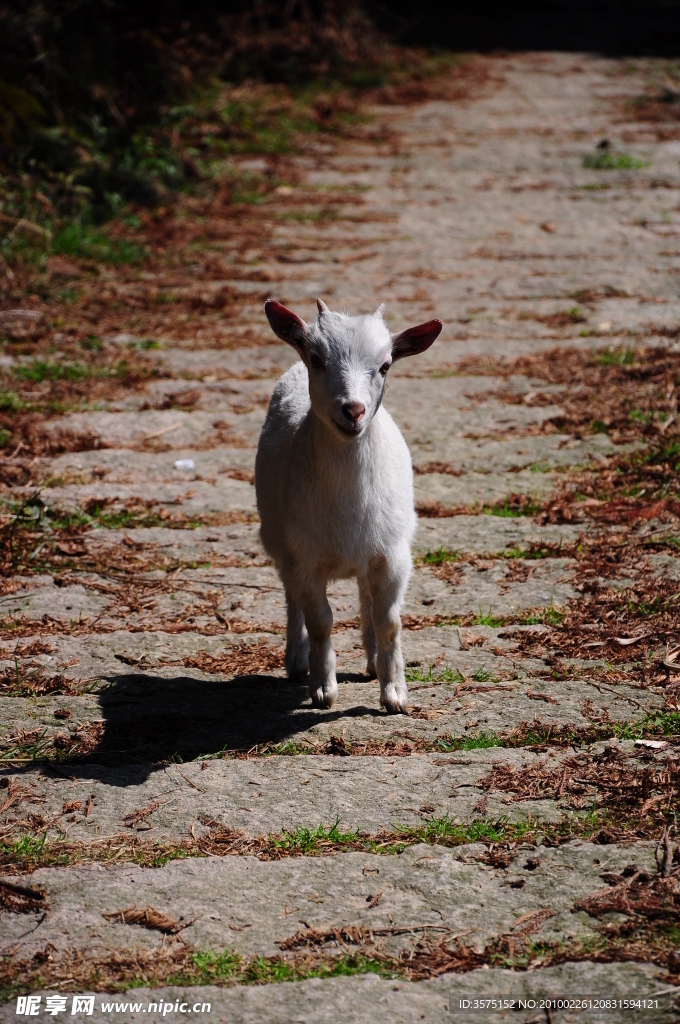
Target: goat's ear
x,y
414,340
286,324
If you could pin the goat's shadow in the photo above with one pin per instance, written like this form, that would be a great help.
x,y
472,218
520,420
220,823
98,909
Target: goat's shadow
x,y
149,720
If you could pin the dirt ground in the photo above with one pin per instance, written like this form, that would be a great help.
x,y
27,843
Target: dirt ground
x,y
174,813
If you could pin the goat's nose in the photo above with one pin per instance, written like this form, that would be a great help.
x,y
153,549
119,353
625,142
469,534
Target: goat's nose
x,y
354,411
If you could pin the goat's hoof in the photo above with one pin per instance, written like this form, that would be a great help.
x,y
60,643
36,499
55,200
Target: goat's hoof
x,y
323,698
297,663
296,673
394,699
371,671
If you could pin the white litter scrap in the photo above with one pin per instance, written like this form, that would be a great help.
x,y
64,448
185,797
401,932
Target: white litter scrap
x,y
185,464
652,744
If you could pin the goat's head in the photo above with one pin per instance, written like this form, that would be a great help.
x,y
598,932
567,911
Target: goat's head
x,y
347,358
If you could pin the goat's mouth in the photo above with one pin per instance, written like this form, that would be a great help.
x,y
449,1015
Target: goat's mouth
x,y
349,431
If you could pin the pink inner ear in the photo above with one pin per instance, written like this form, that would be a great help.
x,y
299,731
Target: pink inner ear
x,y
285,324
416,339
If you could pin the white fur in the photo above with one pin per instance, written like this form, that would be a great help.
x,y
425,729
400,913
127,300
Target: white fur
x,y
335,498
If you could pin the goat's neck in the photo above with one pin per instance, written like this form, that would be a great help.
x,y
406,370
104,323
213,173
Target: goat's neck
x,y
329,447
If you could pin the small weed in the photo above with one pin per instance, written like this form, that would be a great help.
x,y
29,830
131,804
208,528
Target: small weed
x,y
83,241
445,830
229,966
39,370
289,748
552,616
640,417
604,160
305,840
479,741
440,556
9,402
487,620
614,357
482,675
92,343
531,552
446,675
514,509
25,853
216,967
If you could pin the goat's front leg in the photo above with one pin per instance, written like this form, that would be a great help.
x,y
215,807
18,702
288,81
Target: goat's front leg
x,y
323,686
368,637
297,641
388,579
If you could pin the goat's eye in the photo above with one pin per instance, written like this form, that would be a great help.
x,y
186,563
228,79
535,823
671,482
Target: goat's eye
x,y
384,368
316,362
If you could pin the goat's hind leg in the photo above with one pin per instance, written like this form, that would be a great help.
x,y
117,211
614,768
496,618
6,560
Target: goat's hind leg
x,y
323,686
368,637
388,580
297,641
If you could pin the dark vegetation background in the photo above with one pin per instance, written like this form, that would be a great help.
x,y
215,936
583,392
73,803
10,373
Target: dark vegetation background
x,y
612,27
95,92
99,103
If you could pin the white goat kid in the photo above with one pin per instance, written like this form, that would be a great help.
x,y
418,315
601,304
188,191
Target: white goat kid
x,y
334,489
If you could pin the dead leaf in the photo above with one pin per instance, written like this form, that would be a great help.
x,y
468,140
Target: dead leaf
x,y
20,899
135,817
541,696
671,659
533,918
149,918
71,806
71,549
626,641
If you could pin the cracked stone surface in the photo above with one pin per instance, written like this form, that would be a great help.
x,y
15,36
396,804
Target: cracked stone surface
x,y
267,902
356,1000
143,628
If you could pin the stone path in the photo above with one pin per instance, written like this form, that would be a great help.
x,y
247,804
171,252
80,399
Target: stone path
x,y
154,756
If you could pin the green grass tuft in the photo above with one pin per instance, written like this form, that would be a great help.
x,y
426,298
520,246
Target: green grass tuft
x,y
415,674
479,741
83,241
487,620
604,160
215,968
39,370
305,840
440,556
614,357
531,552
9,402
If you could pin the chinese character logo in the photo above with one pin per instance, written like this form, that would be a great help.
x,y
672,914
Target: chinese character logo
x,y
82,1004
55,1004
28,1006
